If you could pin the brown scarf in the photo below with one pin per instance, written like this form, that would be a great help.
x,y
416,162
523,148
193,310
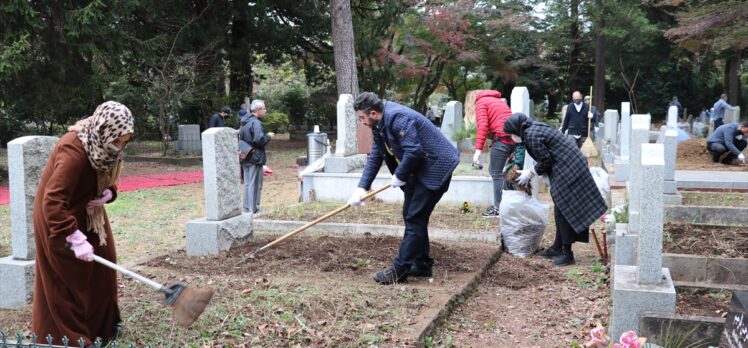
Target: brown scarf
x,y
110,121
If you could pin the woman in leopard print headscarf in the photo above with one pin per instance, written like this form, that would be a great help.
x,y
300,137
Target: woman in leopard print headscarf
x,y
74,298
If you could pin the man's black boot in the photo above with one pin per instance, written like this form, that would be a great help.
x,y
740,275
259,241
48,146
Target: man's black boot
x,y
390,276
422,271
566,257
550,253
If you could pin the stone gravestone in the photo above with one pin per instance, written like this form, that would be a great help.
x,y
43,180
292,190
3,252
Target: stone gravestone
x,y
224,225
611,135
521,103
346,156
622,163
646,287
672,117
639,135
670,141
188,138
735,334
732,115
27,157
452,120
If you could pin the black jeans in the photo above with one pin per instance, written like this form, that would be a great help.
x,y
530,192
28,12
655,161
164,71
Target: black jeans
x,y
418,204
718,122
718,150
499,154
565,234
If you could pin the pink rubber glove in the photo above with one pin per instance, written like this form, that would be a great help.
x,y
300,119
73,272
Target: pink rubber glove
x,y
105,198
266,171
80,245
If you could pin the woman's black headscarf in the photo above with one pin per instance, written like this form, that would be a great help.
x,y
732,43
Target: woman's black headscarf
x,y
516,124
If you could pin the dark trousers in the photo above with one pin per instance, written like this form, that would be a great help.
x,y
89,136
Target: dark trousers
x,y
576,141
565,234
418,204
499,154
718,122
718,150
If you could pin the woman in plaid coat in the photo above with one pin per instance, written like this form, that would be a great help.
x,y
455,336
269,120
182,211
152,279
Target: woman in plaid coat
x,y
577,202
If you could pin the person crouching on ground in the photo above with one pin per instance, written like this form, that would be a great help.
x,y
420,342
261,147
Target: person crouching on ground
x,y
728,139
73,296
421,161
577,201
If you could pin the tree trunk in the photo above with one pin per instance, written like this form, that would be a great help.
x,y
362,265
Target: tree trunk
x,y
598,99
732,78
343,44
552,103
572,82
240,54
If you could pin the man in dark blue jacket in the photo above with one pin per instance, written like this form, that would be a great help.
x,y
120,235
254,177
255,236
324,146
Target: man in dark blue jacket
x,y
218,119
421,161
252,133
728,139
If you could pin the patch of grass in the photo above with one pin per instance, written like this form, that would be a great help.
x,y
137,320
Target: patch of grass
x,y
152,221
445,216
719,199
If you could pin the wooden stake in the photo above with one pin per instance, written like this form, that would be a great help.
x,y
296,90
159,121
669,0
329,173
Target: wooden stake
x,y
597,243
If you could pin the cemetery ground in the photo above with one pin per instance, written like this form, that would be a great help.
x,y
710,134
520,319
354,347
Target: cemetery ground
x,y
316,289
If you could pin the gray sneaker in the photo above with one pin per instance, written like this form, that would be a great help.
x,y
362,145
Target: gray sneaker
x,y
491,212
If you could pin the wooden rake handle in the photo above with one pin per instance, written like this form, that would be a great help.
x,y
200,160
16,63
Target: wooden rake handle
x,y
318,220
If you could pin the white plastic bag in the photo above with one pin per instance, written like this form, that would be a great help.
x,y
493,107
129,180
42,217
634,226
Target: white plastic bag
x,y
601,181
523,220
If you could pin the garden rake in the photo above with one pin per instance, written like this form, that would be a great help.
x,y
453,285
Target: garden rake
x,y
187,303
588,148
309,224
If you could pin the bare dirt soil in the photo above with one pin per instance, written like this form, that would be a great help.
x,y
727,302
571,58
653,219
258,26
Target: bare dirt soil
x,y
723,241
693,155
529,302
702,302
310,291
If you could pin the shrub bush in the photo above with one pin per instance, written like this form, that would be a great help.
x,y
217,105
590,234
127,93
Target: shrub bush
x,y
275,121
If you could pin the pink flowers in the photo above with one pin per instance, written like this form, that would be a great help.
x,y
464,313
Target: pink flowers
x,y
629,339
598,338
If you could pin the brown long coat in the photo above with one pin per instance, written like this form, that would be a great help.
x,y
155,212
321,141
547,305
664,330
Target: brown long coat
x,y
72,298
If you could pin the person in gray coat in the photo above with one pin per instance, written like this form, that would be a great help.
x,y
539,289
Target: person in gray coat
x,y
577,201
251,132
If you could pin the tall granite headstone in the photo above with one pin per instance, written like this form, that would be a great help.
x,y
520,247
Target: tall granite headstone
x,y
639,135
670,141
27,157
452,120
346,158
672,117
520,99
646,287
224,225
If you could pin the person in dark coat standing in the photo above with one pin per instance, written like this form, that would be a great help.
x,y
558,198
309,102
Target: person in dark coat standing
x,y
491,111
577,201
218,119
73,296
575,122
253,134
421,161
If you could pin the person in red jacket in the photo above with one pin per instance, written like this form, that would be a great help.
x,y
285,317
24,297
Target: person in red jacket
x,y
491,111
